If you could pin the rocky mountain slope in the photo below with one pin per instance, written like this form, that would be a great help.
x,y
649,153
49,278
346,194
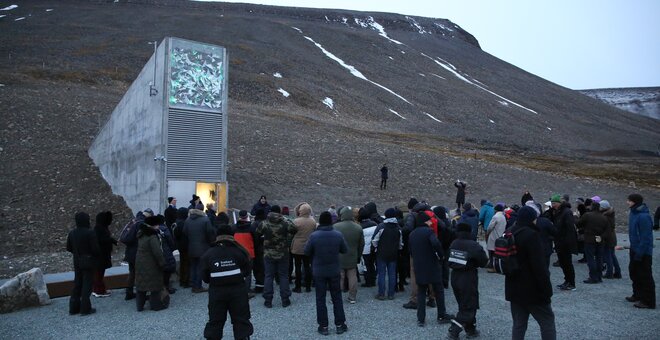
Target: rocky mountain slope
x,y
363,89
644,101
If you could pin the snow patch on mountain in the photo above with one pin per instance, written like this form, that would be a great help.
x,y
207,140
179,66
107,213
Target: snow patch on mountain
x,y
329,102
396,113
283,92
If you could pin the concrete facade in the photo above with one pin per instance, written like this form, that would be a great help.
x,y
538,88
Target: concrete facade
x,y
131,149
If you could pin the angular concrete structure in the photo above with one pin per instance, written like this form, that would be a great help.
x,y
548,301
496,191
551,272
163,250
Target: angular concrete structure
x,y
168,134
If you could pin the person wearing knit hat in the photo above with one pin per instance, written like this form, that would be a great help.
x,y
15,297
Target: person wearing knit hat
x,y
596,199
471,217
82,243
565,240
640,233
425,250
194,202
465,256
609,242
533,206
529,291
323,247
244,235
387,241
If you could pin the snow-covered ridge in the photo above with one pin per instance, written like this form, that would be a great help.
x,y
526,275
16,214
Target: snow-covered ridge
x,y
371,23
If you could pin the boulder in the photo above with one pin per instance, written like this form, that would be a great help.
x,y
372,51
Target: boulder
x,y
25,290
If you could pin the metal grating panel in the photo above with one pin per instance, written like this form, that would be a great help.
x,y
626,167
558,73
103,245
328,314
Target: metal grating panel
x,y
194,146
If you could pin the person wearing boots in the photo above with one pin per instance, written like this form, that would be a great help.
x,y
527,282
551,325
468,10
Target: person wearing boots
x,y
83,244
224,267
465,256
149,264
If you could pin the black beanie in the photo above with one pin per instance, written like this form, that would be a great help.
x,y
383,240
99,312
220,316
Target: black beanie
x,y
499,207
82,220
222,218
422,217
325,218
276,209
412,202
363,214
636,198
391,212
526,215
224,229
260,214
464,227
152,220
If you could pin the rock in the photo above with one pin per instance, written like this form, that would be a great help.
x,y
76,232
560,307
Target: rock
x,y
25,290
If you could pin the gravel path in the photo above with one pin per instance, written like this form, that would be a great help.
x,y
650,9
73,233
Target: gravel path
x,y
591,312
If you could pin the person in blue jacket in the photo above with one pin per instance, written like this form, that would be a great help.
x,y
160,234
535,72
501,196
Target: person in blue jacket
x,y
640,233
486,213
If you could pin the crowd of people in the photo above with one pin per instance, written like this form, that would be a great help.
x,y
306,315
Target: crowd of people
x,y
428,248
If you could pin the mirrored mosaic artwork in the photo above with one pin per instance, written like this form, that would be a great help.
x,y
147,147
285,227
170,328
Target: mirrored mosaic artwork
x,y
196,78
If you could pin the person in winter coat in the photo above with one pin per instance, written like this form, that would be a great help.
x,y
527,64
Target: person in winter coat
x,y
225,266
383,177
182,246
465,256
369,257
460,193
258,265
149,264
373,212
130,240
547,232
354,237
211,213
486,213
565,241
471,217
609,242
261,204
426,252
170,212
106,241
525,198
446,235
245,235
324,248
168,245
200,234
419,209
656,219
594,224
84,246
529,289
640,233
306,225
276,232
495,230
387,243
194,202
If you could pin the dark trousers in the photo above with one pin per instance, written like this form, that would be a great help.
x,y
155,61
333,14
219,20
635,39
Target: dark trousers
x,y
402,268
439,299
303,267
232,299
195,274
642,279
566,263
184,269
612,262
383,183
370,265
156,302
279,267
131,278
322,284
541,313
386,269
82,288
166,279
98,286
594,254
465,285
258,270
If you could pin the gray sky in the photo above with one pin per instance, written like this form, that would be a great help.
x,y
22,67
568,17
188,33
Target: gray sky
x,y
579,44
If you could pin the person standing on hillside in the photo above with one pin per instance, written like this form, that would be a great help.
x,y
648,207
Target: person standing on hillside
x,y
84,246
460,193
640,233
526,197
354,237
324,248
276,232
383,177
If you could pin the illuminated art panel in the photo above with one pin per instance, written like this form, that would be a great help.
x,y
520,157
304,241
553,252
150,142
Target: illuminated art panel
x,y
196,76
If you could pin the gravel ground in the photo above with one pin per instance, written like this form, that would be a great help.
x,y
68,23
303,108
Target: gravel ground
x,y
591,312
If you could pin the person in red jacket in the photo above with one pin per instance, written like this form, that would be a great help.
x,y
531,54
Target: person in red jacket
x,y
244,235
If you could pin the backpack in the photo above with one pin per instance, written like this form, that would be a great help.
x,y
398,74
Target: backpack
x,y
125,235
505,259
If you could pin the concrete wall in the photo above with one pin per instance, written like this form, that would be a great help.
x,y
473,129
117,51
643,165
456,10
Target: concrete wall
x,y
125,148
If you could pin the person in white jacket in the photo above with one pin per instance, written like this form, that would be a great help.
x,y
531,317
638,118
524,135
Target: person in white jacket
x,y
495,229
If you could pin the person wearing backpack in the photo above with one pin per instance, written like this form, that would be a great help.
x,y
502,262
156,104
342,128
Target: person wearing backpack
x,y
528,289
465,256
495,229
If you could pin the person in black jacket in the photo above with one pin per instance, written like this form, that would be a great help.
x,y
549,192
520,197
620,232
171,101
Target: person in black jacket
x,y
565,240
170,212
131,242
224,267
465,256
529,289
656,219
383,177
103,220
84,246
182,245
426,252
387,241
594,224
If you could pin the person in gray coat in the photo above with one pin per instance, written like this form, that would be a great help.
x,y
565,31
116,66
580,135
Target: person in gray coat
x,y
354,237
200,234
